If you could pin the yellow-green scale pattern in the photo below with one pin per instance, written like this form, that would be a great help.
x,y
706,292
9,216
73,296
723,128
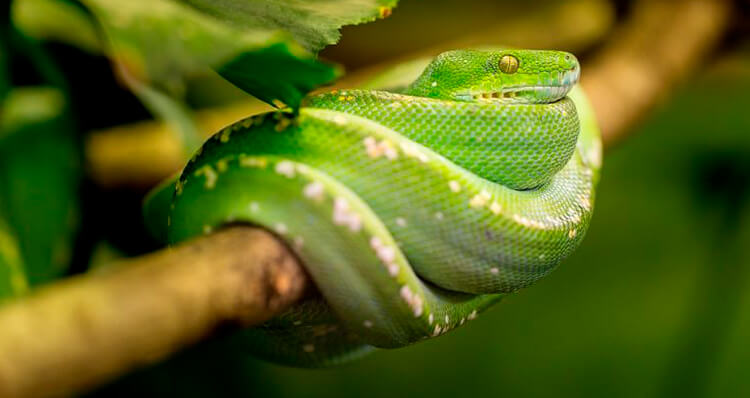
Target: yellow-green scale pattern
x,y
411,214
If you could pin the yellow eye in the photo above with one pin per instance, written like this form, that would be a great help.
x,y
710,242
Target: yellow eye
x,y
508,64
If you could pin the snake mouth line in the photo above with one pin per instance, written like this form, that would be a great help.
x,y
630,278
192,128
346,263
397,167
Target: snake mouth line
x,y
525,94
555,90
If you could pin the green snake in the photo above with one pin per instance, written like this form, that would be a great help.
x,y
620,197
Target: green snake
x,y
413,209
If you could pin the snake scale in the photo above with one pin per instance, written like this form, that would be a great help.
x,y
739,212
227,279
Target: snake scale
x,y
412,209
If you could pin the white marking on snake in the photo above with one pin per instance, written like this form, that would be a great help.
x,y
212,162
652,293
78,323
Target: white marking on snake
x,y
390,152
179,186
472,316
299,242
285,168
412,150
412,299
430,319
447,320
386,254
249,161
314,191
377,149
371,147
344,215
572,233
480,199
224,137
496,208
584,201
281,228
454,186
221,165
209,173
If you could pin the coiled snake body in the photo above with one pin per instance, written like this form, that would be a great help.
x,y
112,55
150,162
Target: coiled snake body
x,y
412,211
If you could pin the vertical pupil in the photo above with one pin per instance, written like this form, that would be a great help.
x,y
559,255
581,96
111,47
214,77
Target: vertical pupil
x,y
508,64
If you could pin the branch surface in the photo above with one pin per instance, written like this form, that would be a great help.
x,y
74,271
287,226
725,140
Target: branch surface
x,y
83,331
650,53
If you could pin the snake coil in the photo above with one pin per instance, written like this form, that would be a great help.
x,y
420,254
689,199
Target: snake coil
x,y
413,209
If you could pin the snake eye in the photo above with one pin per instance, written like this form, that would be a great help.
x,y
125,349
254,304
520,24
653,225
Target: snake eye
x,y
508,64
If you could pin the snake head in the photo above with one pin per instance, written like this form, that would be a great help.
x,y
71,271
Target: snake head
x,y
499,75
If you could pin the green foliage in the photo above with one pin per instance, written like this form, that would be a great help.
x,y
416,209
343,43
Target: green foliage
x,y
13,280
259,45
39,174
156,46
57,20
285,80
312,23
267,48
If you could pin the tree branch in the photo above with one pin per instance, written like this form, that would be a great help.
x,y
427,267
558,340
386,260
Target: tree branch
x,y
651,52
83,331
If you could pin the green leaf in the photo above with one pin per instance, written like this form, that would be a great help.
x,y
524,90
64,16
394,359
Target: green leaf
x,y
265,47
12,276
39,176
313,23
286,79
56,20
27,107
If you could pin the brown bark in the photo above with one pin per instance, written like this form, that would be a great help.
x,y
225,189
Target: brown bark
x,y
85,330
650,53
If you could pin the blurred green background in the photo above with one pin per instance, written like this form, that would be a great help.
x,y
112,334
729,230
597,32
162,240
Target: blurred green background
x,y
656,302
